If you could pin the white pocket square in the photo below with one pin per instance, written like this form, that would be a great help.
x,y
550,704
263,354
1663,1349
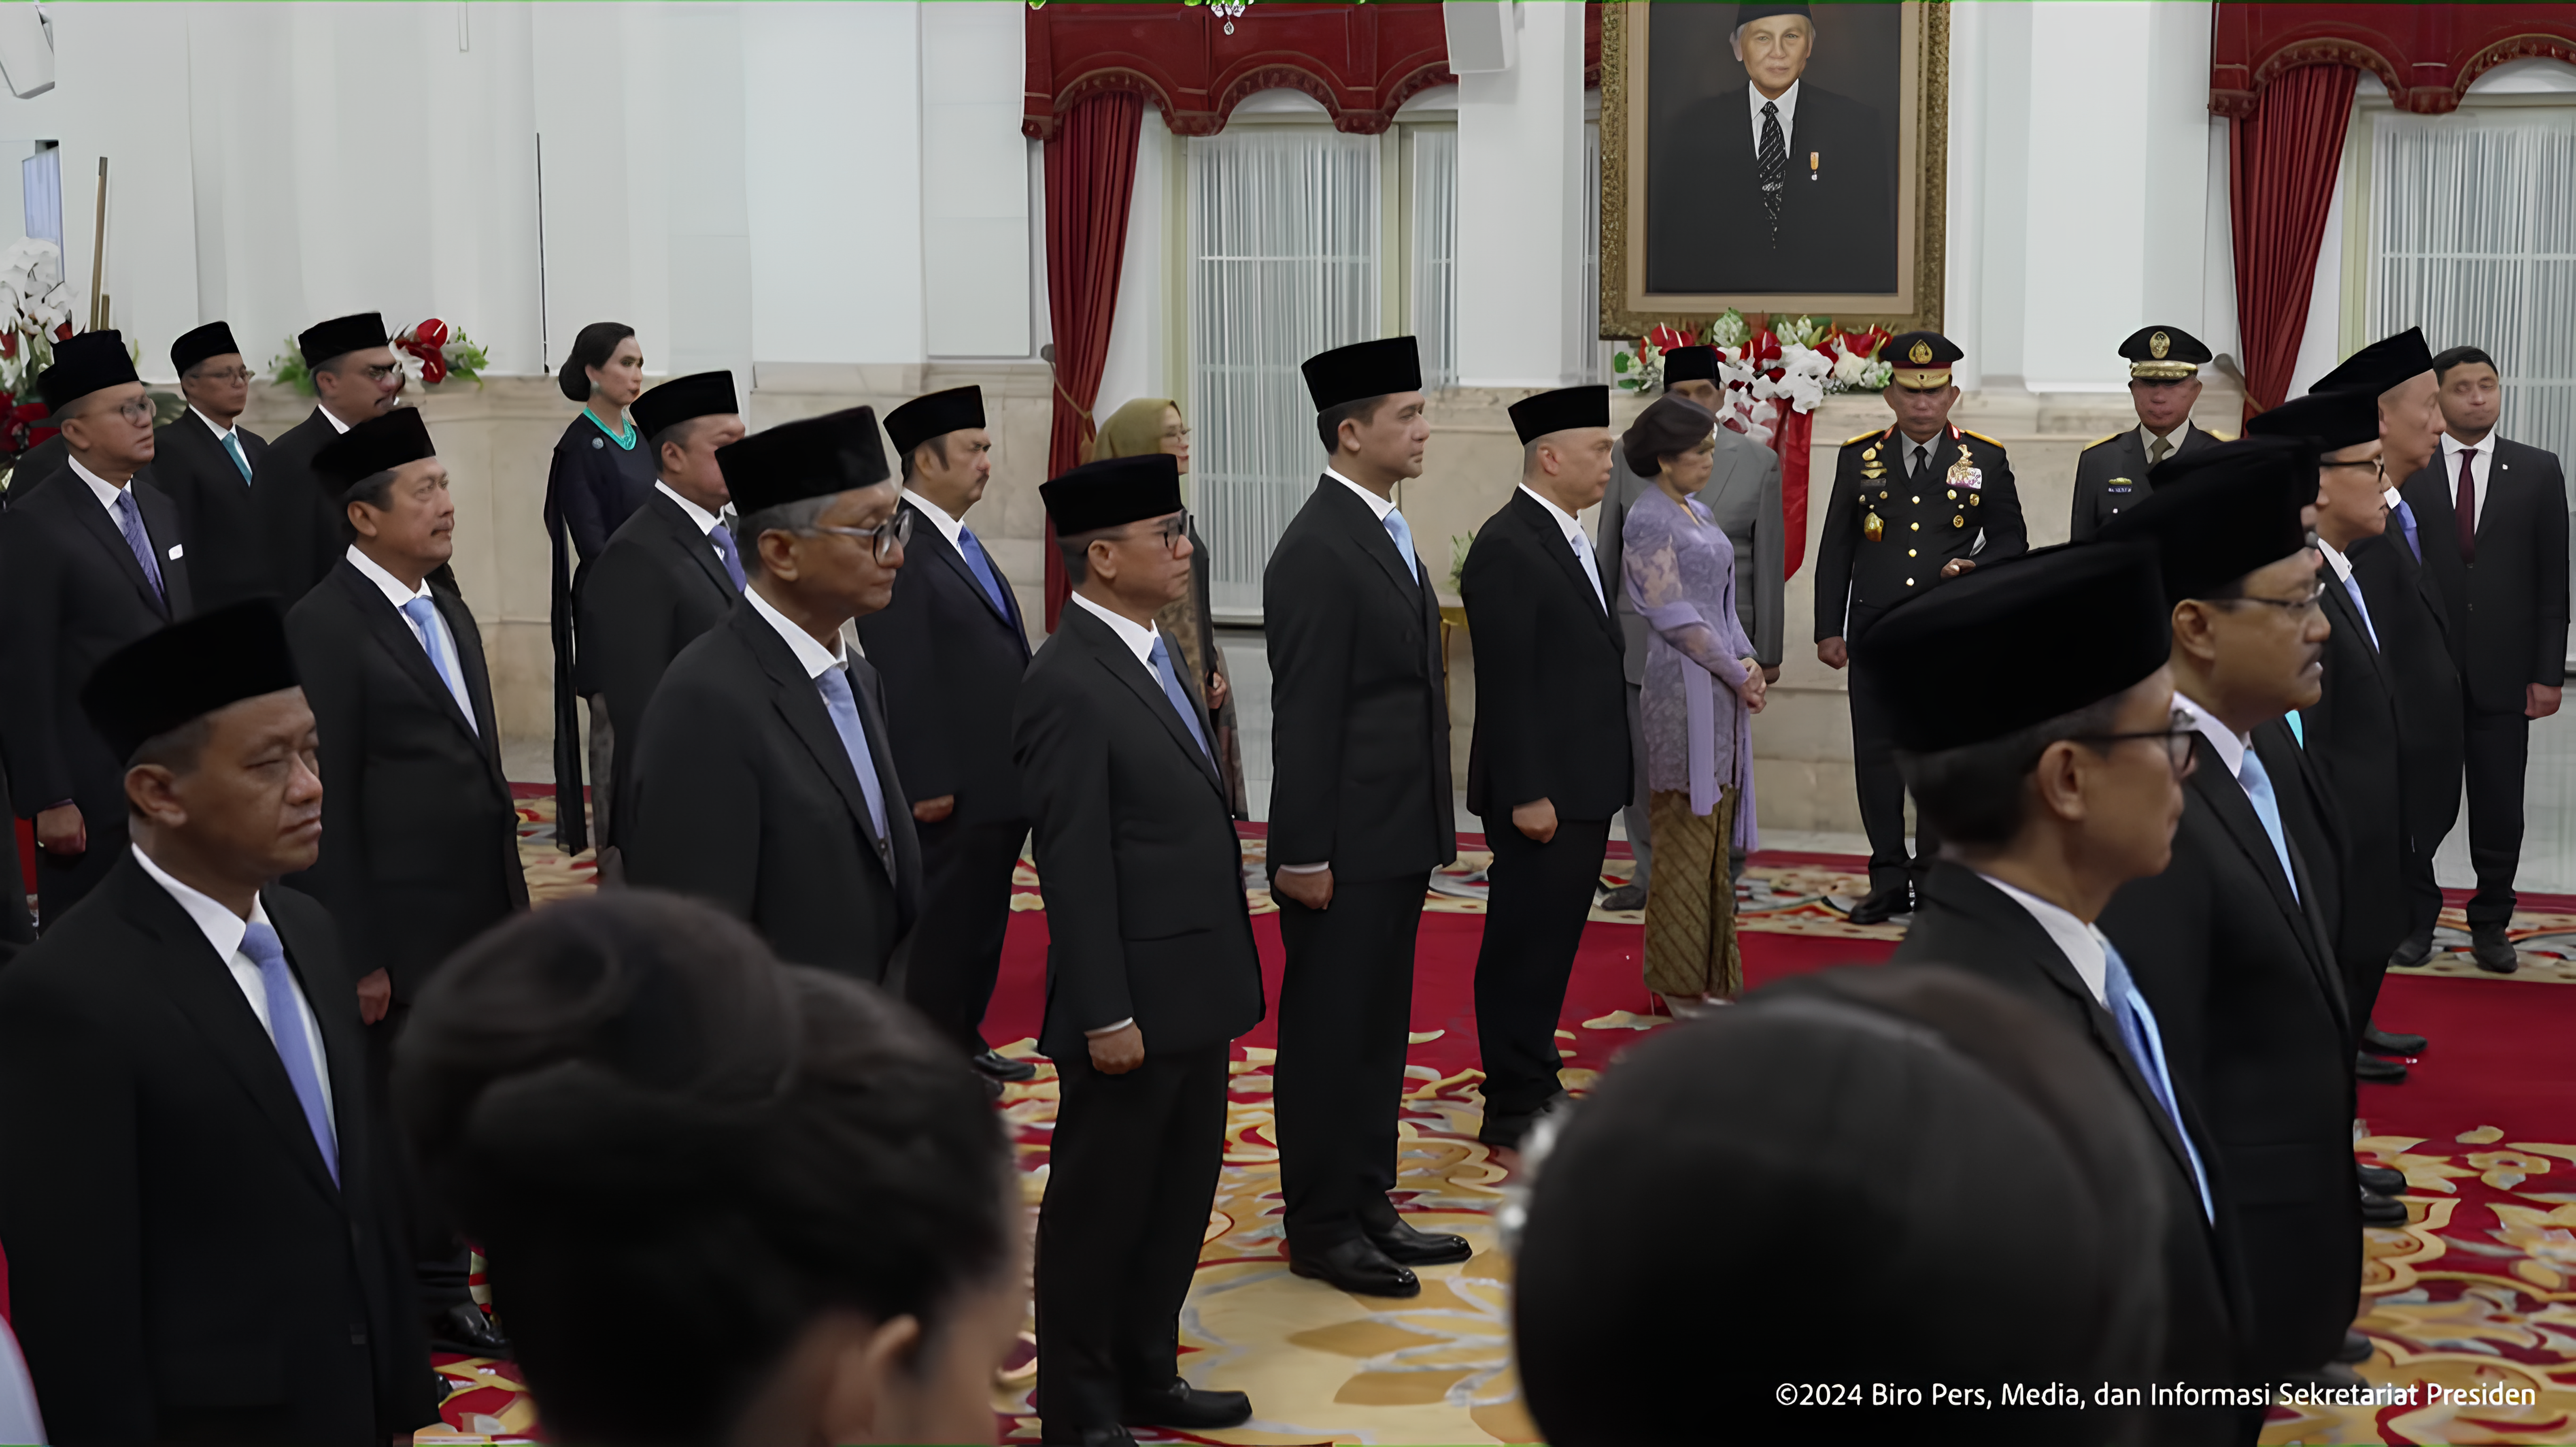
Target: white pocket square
x,y
178,551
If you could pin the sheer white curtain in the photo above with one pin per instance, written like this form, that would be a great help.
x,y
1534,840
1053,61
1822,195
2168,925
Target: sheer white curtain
x,y
1283,264
2473,238
1435,254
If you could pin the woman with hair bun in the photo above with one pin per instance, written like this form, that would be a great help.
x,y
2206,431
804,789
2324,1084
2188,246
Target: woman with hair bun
x,y
673,1149
601,474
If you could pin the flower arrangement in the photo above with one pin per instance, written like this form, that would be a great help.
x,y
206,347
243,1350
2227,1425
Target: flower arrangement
x,y
435,350
35,313
1794,361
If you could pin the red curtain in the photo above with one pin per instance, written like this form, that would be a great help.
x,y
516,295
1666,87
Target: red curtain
x,y
2281,164
1090,173
1794,436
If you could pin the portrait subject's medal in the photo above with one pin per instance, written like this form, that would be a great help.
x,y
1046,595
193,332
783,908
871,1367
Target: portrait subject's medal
x,y
1871,528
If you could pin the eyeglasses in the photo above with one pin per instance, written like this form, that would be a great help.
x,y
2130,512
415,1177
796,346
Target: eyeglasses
x,y
379,375
1172,531
2297,608
2376,464
2176,735
227,375
886,538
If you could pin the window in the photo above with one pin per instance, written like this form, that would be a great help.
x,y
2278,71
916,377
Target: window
x,y
2473,238
1435,254
1283,237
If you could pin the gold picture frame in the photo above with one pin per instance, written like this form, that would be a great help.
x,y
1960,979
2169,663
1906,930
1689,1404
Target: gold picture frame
x,y
1921,151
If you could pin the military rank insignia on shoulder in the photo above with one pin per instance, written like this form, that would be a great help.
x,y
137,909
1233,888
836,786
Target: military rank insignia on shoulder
x,y
1866,437
1990,442
2114,437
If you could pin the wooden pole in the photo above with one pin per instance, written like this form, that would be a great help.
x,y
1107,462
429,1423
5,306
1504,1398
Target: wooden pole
x,y
98,250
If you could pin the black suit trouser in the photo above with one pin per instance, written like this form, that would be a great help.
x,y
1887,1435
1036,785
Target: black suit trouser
x,y
956,949
440,1262
1882,793
1541,895
2499,746
1345,1008
1131,1172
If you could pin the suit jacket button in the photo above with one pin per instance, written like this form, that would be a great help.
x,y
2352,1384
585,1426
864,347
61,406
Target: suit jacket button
x,y
1909,582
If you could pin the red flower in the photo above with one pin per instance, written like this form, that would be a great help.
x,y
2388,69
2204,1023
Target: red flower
x,y
431,333
63,333
1666,338
8,344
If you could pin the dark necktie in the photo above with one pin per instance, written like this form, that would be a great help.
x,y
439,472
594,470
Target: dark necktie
x,y
2158,450
1771,166
1922,461
2467,507
129,521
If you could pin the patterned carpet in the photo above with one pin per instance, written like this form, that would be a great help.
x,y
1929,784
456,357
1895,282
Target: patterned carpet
x,y
2475,1291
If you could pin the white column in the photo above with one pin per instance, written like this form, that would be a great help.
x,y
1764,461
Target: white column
x,y
1520,202
975,181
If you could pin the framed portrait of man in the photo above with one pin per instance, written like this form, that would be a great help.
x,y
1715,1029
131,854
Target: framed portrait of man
x,y
1779,158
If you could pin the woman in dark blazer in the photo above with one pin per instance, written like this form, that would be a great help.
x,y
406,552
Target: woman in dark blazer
x,y
602,472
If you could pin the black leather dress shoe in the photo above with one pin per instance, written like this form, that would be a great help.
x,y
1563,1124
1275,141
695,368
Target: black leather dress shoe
x,y
1355,1266
2410,953
1505,1132
2493,952
2378,1071
2379,1210
464,1328
2356,1349
1404,1246
1881,905
2381,1181
1626,896
1186,1407
1111,1436
998,1066
2389,1042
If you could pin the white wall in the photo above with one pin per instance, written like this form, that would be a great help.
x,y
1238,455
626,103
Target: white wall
x,y
1520,170
975,193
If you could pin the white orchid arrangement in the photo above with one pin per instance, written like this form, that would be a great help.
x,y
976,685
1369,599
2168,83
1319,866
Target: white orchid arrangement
x,y
36,308
1763,373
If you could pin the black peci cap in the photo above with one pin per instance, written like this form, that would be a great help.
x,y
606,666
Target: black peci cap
x,y
211,340
90,362
379,444
2163,354
1921,360
2092,616
1363,369
1562,410
186,671
1113,492
340,336
2233,510
816,457
2330,421
2386,363
1747,14
934,415
1690,364
700,394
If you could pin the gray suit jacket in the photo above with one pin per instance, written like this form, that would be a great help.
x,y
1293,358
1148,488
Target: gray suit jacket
x,y
1743,494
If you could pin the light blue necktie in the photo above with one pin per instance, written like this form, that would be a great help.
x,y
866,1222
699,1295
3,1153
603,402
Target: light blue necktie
x,y
232,445
129,521
1402,532
834,682
2406,524
1583,555
726,553
2137,1022
2298,729
2352,587
286,1030
2258,788
982,567
424,620
1179,696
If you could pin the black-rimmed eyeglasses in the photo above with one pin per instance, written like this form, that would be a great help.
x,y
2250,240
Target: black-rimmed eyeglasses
x,y
886,538
2175,736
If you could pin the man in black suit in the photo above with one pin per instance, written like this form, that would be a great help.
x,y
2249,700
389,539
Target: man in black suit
x,y
1775,187
32,468
763,781
1359,817
85,569
1151,970
1908,512
2354,732
2054,787
191,1168
2503,573
669,573
203,460
1549,763
951,648
420,847
2232,944
2164,382
355,377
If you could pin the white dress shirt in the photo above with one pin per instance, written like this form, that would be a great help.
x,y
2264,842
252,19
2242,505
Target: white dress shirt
x,y
221,432
1574,540
2081,943
1378,506
2231,746
437,639
2343,574
224,929
705,520
334,419
949,527
105,491
2481,460
812,656
2174,440
1788,104
1139,639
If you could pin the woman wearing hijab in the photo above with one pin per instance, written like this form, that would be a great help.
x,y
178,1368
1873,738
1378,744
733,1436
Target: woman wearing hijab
x,y
674,1149
1701,690
1153,424
601,474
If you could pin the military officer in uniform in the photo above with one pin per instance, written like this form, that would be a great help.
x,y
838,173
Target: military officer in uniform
x,y
1918,503
2164,382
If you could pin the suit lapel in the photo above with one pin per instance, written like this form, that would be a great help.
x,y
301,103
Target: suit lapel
x,y
1373,539
1112,655
478,677
1551,540
693,544
103,531
927,536
2342,614
800,704
393,632
2225,799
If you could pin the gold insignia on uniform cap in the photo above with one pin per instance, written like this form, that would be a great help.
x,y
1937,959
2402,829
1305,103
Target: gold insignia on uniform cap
x,y
1920,353
2158,345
